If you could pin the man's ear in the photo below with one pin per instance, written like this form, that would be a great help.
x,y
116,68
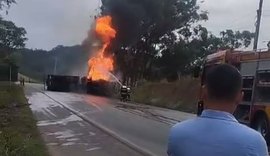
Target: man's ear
x,y
240,97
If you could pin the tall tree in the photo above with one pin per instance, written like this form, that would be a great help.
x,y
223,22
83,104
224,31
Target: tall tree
x,y
145,26
6,3
11,36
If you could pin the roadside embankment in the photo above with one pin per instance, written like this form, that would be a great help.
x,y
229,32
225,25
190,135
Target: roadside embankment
x,y
181,95
19,135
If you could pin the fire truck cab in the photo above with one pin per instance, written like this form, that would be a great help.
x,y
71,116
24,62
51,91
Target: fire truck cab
x,y
254,67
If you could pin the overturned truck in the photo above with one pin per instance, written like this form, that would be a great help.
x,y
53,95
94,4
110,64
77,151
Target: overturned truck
x,y
62,83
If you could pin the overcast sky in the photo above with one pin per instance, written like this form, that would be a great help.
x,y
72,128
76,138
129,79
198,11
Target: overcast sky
x,y
53,22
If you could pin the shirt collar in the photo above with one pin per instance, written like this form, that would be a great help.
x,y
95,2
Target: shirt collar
x,y
214,114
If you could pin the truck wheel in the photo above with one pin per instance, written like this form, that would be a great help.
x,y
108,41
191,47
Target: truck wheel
x,y
262,126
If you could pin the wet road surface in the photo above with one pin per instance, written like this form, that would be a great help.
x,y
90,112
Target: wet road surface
x,y
67,132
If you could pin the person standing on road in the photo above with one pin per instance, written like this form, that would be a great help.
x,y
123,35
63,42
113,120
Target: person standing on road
x,y
216,132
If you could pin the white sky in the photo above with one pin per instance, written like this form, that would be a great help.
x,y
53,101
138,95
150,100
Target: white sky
x,y
237,15
53,22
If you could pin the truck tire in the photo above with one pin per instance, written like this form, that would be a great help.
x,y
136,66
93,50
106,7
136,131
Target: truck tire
x,y
261,125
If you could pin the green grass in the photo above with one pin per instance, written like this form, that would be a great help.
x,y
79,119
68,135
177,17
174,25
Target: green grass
x,y
181,95
19,135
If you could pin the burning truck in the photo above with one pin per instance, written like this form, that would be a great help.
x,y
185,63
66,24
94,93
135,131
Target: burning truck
x,y
99,87
101,65
100,79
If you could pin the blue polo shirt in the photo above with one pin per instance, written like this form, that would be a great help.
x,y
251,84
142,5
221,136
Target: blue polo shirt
x,y
215,133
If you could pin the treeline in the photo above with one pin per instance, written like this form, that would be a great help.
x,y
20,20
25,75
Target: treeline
x,y
37,63
60,60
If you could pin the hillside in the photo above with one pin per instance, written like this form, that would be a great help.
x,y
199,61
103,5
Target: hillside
x,y
38,63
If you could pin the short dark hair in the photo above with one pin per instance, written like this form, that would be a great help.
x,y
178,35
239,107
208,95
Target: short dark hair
x,y
223,82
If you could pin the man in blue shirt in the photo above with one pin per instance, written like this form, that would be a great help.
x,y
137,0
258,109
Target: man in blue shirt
x,y
216,132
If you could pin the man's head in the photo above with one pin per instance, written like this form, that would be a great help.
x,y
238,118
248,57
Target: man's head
x,y
223,88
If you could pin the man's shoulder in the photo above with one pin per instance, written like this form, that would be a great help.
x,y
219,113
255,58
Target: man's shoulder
x,y
252,140
235,128
249,133
185,124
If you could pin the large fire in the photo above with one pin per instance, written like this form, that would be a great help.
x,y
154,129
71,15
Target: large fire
x,y
100,65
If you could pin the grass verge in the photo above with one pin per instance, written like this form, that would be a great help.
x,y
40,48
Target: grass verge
x,y
19,135
181,95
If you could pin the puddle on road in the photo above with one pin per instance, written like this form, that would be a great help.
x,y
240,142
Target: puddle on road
x,y
40,104
65,121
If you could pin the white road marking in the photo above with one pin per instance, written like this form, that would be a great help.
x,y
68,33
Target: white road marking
x,y
92,133
64,134
73,139
93,149
68,144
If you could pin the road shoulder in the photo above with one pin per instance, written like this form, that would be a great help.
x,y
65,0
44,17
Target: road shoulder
x,y
18,132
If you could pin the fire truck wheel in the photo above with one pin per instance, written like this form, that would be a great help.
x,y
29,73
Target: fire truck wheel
x,y
262,126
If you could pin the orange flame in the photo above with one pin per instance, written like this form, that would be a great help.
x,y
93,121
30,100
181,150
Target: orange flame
x,y
100,65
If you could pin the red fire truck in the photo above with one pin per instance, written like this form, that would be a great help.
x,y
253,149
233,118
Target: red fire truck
x,y
254,110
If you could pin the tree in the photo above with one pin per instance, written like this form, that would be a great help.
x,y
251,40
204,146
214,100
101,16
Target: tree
x,y
183,57
6,3
237,39
146,26
11,39
161,37
37,63
11,36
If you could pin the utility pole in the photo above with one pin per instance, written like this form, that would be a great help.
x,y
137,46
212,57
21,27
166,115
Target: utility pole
x,y
258,23
255,47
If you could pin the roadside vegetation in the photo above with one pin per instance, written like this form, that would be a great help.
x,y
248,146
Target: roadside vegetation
x,y
19,135
181,95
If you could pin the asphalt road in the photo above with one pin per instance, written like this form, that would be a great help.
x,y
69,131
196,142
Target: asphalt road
x,y
83,124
